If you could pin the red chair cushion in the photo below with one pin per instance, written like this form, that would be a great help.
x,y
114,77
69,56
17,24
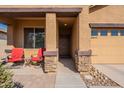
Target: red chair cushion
x,y
39,55
17,55
36,59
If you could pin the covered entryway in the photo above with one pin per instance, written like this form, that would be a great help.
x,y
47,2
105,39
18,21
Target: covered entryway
x,y
51,20
65,32
67,37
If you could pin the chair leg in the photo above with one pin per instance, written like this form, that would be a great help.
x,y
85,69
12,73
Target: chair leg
x,y
24,64
40,65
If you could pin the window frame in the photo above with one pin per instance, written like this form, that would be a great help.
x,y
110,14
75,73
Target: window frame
x,y
33,27
121,33
116,30
104,30
95,30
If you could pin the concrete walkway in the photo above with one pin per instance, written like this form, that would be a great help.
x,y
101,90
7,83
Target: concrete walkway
x,y
115,72
67,77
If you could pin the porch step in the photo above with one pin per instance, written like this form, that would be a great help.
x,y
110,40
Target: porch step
x,y
67,77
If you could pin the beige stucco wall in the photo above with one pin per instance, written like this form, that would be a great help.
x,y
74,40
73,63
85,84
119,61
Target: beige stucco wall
x,y
57,39
19,32
84,29
108,14
74,38
108,49
10,35
51,32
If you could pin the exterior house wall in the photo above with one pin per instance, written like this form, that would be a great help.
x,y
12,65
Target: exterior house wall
x,y
57,39
3,43
10,35
3,35
19,32
108,49
74,38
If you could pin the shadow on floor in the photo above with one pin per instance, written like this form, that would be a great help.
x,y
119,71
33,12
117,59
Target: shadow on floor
x,y
18,85
69,63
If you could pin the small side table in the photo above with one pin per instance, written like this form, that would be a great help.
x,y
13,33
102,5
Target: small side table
x,y
27,62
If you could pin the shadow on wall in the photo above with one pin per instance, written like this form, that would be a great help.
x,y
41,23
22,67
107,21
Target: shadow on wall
x,y
97,7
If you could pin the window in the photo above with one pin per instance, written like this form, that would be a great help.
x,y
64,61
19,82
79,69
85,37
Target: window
x,y
121,32
94,32
34,37
103,32
3,27
114,33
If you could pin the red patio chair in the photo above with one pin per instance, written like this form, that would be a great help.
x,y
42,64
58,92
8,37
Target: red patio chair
x,y
17,55
39,56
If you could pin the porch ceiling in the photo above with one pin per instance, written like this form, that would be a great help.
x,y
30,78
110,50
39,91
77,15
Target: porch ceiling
x,y
68,21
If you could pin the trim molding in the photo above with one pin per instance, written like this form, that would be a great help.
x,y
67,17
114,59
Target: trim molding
x,y
106,25
44,10
50,53
85,53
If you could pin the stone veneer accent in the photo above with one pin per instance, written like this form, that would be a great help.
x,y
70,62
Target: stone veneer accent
x,y
50,63
83,60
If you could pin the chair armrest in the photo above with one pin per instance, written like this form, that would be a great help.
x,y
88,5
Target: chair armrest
x,y
9,56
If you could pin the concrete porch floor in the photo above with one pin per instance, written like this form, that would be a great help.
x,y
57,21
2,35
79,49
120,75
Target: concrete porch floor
x,y
31,77
66,76
113,71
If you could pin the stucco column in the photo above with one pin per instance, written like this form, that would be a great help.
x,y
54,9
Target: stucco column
x,y
51,31
51,43
84,39
84,29
10,30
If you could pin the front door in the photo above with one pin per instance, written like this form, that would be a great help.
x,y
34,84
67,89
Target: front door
x,y
64,46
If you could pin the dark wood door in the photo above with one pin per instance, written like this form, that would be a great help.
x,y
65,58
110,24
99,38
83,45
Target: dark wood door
x,y
64,46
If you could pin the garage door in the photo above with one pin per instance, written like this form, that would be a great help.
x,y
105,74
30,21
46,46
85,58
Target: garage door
x,y
107,45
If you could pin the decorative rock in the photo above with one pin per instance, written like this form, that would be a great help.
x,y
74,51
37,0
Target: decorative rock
x,y
88,77
98,79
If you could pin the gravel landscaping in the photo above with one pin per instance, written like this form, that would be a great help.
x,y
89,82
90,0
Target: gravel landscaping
x,y
94,79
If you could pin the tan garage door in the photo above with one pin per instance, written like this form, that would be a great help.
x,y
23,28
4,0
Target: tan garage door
x,y
107,45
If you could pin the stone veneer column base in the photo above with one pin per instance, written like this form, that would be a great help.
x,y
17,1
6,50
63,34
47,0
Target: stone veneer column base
x,y
50,64
83,64
83,61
